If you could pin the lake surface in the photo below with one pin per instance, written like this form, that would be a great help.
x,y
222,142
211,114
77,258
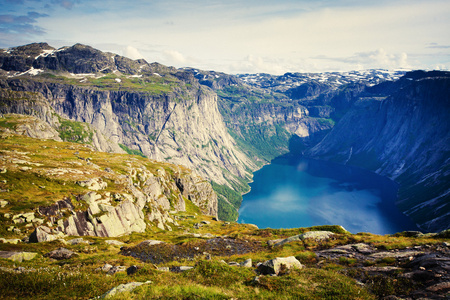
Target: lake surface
x,y
298,192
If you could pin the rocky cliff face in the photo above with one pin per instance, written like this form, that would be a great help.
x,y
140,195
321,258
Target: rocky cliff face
x,y
405,135
166,116
100,194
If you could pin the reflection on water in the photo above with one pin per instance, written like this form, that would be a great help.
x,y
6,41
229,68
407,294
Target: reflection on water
x,y
298,192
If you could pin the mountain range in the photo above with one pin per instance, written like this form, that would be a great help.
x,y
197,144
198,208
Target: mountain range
x,y
224,127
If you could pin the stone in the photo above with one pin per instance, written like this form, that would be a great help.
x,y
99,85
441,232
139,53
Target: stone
x,y
10,241
60,254
442,286
114,242
121,288
150,243
106,267
17,256
133,269
116,269
247,263
44,234
274,266
94,184
314,235
77,241
404,254
205,222
180,269
3,203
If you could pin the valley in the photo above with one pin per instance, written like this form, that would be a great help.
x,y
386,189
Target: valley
x,y
133,171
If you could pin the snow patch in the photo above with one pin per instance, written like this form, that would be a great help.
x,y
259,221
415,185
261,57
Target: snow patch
x,y
45,53
156,74
118,80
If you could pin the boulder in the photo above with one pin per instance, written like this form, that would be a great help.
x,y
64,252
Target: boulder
x,y
60,254
44,234
133,269
114,242
17,256
116,269
274,266
3,203
247,263
121,288
314,235
10,241
94,184
77,241
150,243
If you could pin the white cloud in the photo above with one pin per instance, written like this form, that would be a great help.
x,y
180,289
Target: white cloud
x,y
132,53
282,36
175,57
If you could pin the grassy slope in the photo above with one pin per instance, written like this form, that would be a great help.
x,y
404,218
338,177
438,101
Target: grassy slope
x,y
79,277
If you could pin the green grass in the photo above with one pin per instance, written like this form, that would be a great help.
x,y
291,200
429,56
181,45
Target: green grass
x,y
132,151
73,131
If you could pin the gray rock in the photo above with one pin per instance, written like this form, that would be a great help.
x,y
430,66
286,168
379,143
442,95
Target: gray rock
x,y
274,266
17,256
10,241
180,269
116,269
314,235
3,203
150,243
106,267
247,263
77,241
94,184
122,288
404,254
44,234
114,242
60,254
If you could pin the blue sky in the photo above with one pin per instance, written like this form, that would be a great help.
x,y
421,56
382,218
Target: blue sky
x,y
243,36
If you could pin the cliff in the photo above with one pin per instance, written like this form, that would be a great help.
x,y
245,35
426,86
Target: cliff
x,y
57,188
120,105
403,134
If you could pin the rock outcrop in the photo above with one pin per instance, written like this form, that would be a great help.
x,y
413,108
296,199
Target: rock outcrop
x,y
278,265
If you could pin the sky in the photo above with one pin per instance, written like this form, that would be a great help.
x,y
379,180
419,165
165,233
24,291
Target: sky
x,y
245,36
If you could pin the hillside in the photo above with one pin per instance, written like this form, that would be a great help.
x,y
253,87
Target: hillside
x,y
126,106
145,233
115,173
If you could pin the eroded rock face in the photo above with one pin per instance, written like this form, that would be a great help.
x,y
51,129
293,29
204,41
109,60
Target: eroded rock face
x,y
150,197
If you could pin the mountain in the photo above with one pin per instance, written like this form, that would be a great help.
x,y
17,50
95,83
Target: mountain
x,y
224,126
404,135
125,106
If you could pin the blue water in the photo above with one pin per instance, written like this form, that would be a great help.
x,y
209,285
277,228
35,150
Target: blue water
x,y
299,192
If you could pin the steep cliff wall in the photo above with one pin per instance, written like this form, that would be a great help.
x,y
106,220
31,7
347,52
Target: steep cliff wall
x,y
406,137
69,189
